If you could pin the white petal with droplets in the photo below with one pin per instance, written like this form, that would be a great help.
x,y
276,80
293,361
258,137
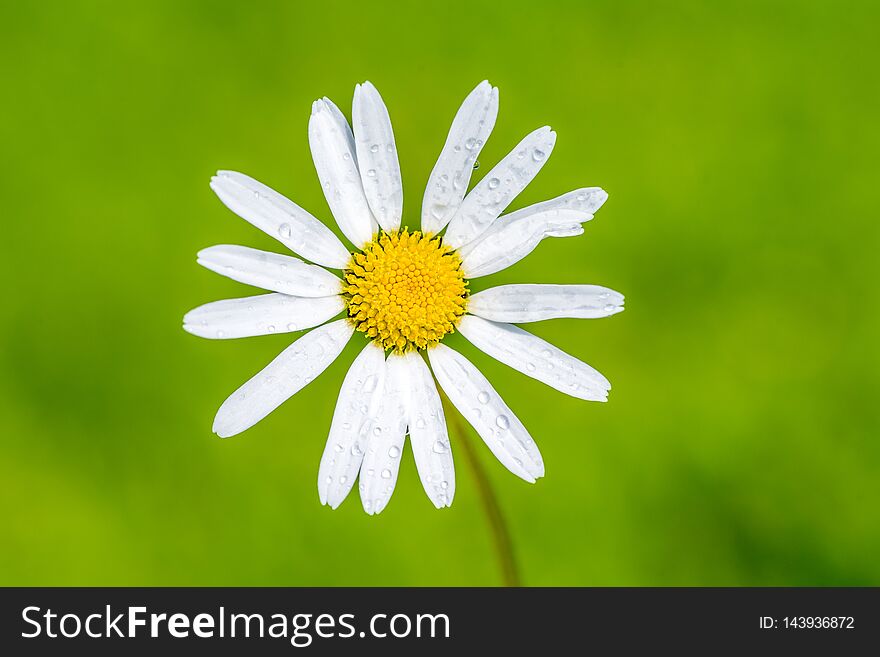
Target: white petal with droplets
x,y
270,271
377,156
335,160
452,174
427,433
281,218
535,303
536,358
291,371
499,187
260,315
354,419
384,448
513,236
477,401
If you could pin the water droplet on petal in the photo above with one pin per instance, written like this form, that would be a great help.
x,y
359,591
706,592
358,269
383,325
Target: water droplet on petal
x,y
493,183
502,422
393,452
483,397
370,383
386,474
374,148
440,447
339,448
538,155
284,230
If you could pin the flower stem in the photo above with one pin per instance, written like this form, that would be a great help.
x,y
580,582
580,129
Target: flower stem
x,y
494,516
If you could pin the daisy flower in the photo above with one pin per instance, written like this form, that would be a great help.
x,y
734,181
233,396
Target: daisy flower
x,y
405,291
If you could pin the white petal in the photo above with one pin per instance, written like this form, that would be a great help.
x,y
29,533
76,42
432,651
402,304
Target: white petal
x,y
385,446
536,358
452,174
335,160
281,218
270,271
514,236
487,413
535,303
377,156
290,372
353,421
260,315
499,187
427,433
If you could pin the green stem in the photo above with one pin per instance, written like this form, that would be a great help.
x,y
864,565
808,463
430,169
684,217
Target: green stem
x,y
497,524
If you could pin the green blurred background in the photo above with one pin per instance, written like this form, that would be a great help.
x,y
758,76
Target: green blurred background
x,y
739,145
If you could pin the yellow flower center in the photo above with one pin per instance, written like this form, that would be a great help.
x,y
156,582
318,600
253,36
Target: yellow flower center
x,y
406,290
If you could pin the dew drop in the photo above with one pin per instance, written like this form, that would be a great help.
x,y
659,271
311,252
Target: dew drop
x,y
483,397
328,480
493,183
356,450
271,328
377,431
339,448
393,452
440,447
530,367
420,423
346,426
386,474
444,484
538,155
371,173
343,479
220,334
470,144
502,422
370,383
609,307
284,230
291,327
476,164
374,148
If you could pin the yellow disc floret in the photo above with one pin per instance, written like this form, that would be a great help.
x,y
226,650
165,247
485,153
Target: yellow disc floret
x,y
406,290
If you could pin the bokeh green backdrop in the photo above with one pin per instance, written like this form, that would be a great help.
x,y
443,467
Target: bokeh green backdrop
x,y
739,145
